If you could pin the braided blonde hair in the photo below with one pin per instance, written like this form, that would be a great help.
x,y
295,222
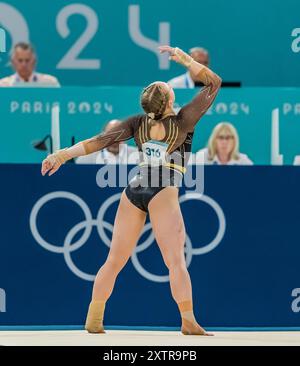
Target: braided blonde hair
x,y
154,100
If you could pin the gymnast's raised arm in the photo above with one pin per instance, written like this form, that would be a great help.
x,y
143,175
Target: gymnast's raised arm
x,y
193,111
119,133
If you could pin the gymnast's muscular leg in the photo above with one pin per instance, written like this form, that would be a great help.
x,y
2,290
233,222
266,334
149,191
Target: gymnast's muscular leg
x,y
169,231
128,225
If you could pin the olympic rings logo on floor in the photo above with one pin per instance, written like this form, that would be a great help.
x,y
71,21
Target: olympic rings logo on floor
x,y
88,223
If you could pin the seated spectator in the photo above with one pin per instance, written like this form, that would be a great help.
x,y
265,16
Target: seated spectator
x,y
189,80
117,153
23,60
223,147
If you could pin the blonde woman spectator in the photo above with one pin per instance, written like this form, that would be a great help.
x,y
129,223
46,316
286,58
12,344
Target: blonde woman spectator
x,y
223,147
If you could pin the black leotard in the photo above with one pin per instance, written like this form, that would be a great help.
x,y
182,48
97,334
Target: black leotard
x,y
166,156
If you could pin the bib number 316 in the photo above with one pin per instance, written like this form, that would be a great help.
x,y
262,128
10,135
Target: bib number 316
x,y
152,152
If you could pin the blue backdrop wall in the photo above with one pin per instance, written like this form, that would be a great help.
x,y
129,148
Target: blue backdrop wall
x,y
242,250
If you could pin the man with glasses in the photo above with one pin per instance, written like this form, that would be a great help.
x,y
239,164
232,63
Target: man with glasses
x,y
23,61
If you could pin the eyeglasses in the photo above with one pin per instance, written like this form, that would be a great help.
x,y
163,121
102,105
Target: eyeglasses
x,y
23,60
225,137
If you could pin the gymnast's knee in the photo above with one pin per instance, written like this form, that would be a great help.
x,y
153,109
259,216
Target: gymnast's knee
x,y
114,264
175,263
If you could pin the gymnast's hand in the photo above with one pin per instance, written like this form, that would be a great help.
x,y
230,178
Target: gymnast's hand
x,y
177,55
54,161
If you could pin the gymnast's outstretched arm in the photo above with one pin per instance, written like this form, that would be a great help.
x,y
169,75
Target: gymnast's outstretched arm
x,y
119,133
193,111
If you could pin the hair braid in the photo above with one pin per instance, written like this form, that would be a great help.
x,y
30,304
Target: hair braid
x,y
154,100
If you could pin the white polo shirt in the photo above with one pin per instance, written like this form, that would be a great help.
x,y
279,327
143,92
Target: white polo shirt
x,y
202,155
127,155
35,79
182,82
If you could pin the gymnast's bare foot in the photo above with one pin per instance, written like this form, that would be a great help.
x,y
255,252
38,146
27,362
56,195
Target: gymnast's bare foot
x,y
193,328
95,329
